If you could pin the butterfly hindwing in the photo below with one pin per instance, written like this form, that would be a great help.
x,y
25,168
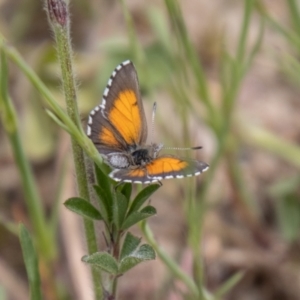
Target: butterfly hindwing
x,y
119,122
163,167
168,166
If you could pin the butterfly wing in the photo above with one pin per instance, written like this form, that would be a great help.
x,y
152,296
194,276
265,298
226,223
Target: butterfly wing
x,y
163,167
119,123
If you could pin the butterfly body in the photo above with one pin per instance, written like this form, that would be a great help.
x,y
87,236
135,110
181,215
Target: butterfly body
x,y
118,128
135,156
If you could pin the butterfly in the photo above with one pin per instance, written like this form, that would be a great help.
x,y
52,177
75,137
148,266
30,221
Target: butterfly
x,y
118,129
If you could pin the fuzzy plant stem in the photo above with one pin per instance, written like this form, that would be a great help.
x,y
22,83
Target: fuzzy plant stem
x,y
59,19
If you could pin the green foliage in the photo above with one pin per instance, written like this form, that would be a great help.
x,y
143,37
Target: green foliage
x,y
31,263
143,253
118,214
104,182
120,206
126,190
286,192
130,245
228,285
2,293
105,201
102,260
32,197
137,216
142,197
287,195
105,197
131,255
83,208
288,210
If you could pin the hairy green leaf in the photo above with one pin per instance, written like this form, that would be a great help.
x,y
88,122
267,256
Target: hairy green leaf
x,y
138,216
83,208
130,244
142,197
143,253
102,260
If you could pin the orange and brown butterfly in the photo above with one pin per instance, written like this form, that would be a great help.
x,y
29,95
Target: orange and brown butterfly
x,y
118,128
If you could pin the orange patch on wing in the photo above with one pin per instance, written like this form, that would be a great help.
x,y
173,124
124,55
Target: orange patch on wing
x,y
125,116
137,173
165,165
107,137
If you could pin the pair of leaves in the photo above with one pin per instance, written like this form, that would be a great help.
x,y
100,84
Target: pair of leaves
x,y
122,222
114,207
125,215
134,215
131,255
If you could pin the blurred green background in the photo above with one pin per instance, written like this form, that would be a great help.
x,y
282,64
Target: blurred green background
x,y
226,76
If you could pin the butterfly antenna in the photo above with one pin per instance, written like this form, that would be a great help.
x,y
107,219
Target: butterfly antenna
x,y
184,149
152,124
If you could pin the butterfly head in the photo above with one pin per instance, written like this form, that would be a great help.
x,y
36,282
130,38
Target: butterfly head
x,y
143,155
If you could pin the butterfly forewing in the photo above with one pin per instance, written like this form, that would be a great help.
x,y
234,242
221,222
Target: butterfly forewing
x,y
103,135
119,122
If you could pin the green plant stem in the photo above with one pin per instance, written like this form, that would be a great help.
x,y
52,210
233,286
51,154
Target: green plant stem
x,y
31,262
115,287
290,35
60,26
236,175
237,68
116,254
133,39
191,55
33,201
195,235
228,285
44,240
241,50
195,216
295,16
171,265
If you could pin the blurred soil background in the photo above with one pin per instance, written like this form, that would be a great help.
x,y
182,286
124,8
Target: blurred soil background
x,y
259,237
